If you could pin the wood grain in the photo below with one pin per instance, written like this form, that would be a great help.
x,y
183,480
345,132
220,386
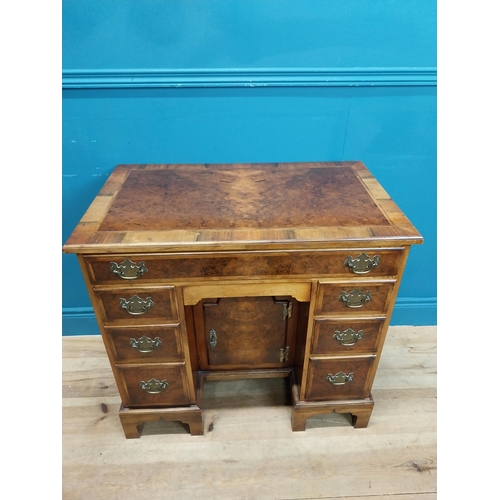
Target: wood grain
x,y
320,389
299,291
177,393
329,301
324,341
170,346
261,197
254,265
249,332
251,452
229,207
163,308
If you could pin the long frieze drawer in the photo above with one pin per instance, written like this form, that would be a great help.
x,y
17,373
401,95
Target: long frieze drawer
x,y
365,297
154,385
346,336
331,378
149,268
146,344
138,305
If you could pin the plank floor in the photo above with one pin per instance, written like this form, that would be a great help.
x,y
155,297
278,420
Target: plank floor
x,y
251,452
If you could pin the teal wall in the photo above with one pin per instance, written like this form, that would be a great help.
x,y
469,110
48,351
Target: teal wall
x,y
186,81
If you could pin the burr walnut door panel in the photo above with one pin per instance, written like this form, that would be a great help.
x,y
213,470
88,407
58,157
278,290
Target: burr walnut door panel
x,y
246,332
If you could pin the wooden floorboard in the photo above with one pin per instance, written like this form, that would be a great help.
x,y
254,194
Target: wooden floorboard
x,y
251,452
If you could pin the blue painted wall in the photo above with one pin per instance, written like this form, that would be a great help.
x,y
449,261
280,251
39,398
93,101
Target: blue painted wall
x,y
186,81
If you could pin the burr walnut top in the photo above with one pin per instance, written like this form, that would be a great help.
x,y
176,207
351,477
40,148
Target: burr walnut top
x,y
154,208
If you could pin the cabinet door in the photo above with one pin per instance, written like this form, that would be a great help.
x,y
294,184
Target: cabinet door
x,y
245,332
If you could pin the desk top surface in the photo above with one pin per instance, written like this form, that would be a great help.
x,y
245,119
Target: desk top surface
x,y
157,208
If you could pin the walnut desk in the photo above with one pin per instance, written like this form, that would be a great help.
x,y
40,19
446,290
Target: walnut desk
x,y
200,272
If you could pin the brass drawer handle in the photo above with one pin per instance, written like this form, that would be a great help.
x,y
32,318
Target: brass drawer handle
x,y
129,270
146,344
340,378
212,338
348,337
153,386
135,305
362,264
355,298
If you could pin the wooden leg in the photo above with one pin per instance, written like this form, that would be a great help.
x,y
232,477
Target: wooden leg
x,y
301,414
195,427
130,430
361,418
132,418
298,421
361,411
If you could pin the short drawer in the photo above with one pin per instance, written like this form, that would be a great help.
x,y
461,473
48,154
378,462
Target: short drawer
x,y
157,267
346,336
365,297
138,305
155,385
334,378
146,344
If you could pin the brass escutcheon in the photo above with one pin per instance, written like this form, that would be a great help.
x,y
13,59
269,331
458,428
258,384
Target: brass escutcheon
x,y
129,270
135,305
153,386
362,264
340,378
355,298
145,344
212,338
348,337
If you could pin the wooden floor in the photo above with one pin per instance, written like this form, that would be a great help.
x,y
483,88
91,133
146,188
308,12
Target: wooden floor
x,y
249,450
